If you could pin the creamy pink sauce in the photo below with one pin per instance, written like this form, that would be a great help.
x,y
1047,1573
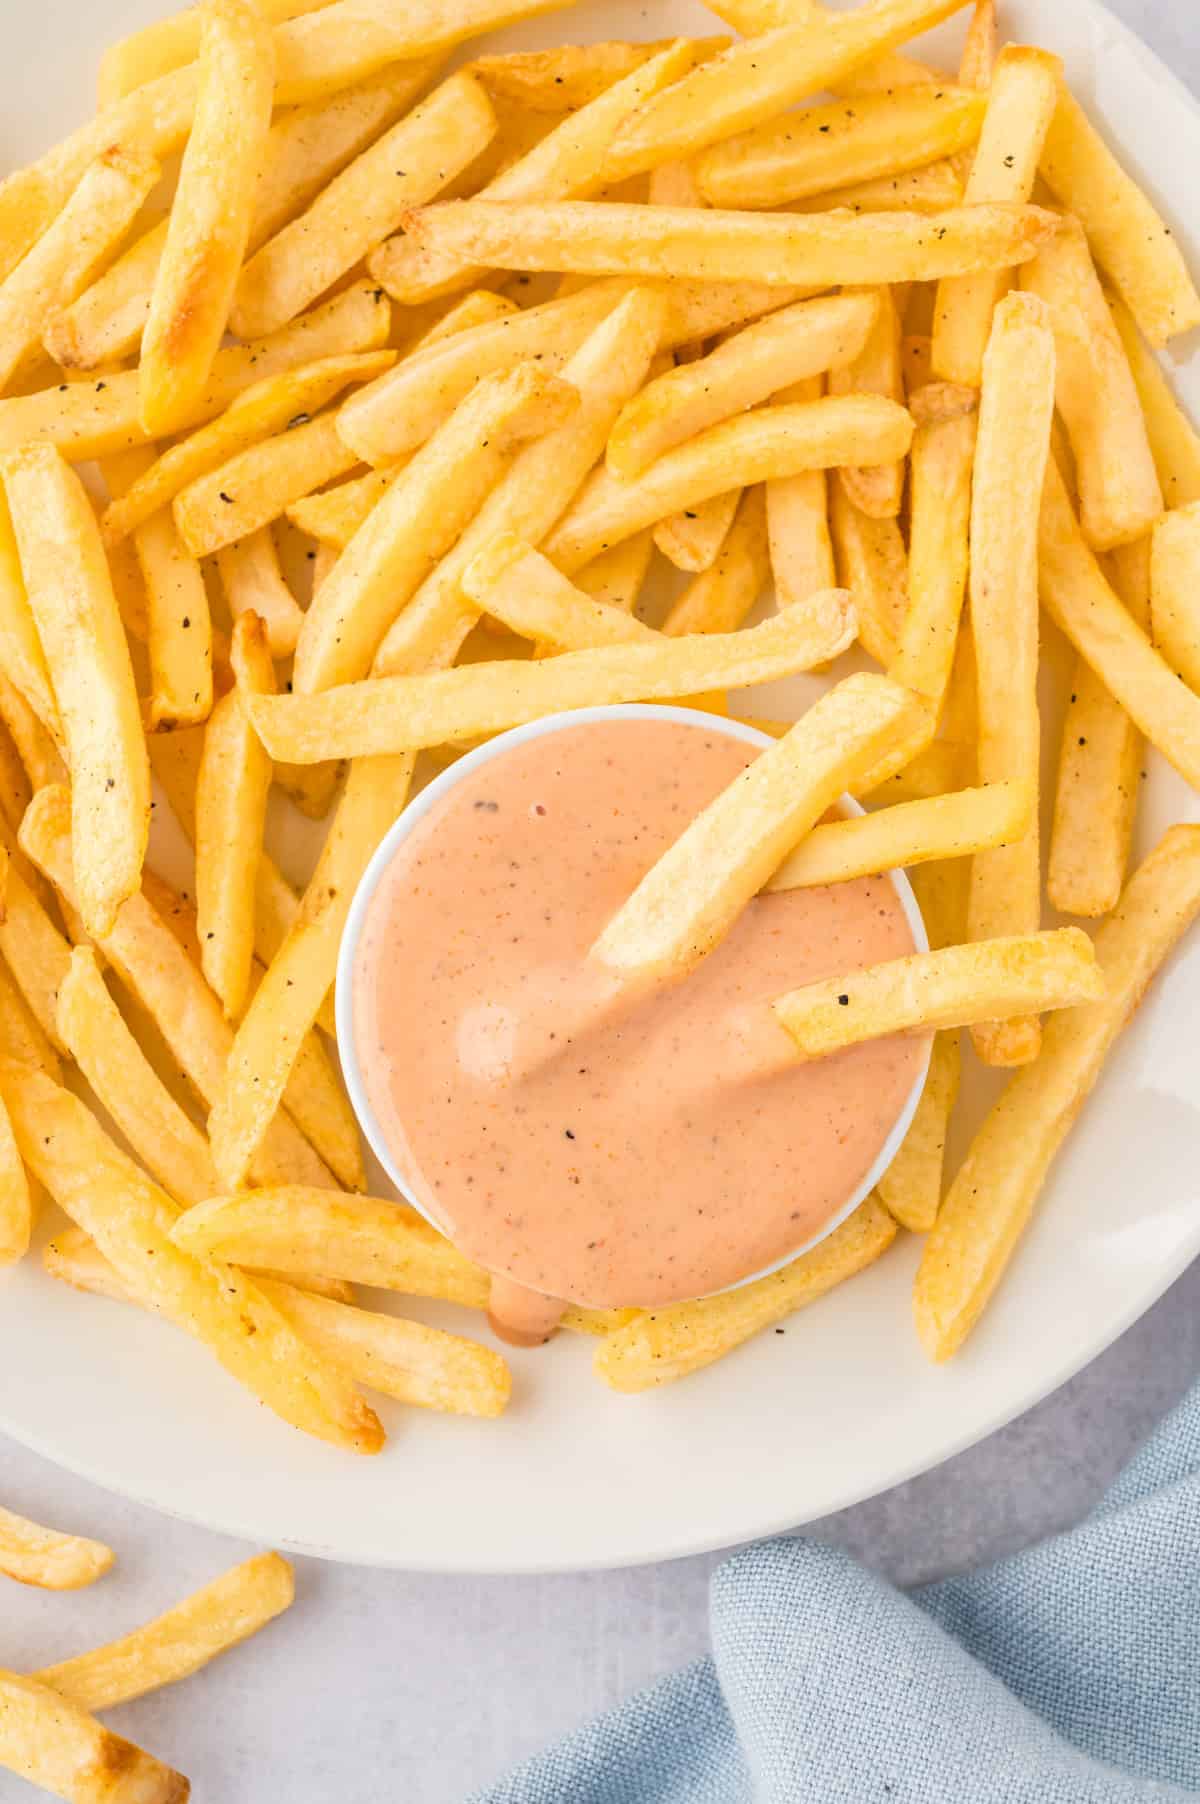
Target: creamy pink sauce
x,y
609,1151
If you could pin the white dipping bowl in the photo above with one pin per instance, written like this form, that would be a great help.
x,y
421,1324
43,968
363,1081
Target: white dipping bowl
x,y
429,798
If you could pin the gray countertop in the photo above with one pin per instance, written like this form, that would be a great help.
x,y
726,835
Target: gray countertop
x,y
379,1686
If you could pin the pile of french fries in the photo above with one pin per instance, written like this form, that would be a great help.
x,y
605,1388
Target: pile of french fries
x,y
380,428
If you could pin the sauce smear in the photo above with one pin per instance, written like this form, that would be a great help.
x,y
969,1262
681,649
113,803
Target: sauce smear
x,y
584,1145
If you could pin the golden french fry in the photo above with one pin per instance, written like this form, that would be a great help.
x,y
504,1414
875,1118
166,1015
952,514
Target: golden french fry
x,y
911,1188
786,347
945,826
766,443
93,1029
254,583
605,238
210,216
933,190
95,419
405,713
563,79
616,577
264,1052
1128,237
518,586
143,950
690,898
721,597
268,407
34,1555
609,366
1095,802
1016,405
988,980
360,207
175,1645
1173,439
20,1033
665,1344
56,270
253,488
801,549
1119,492
991,1200
387,1244
1081,601
231,813
35,747
16,1225
569,164
878,490
171,43
71,596
335,515
872,565
832,146
1021,102
1175,603
756,81
21,653
692,538
59,1747
943,458
424,510
130,1219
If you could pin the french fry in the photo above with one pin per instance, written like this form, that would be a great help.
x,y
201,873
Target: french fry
x,y
253,488
1173,439
616,578
389,715
96,419
21,654
977,65
692,538
360,208
665,1344
171,43
398,413
607,238
518,586
1015,410
16,1225
164,1138
231,813
34,1555
1021,101
988,980
756,81
608,367
20,1033
423,512
254,583
690,898
335,515
1128,237
268,407
832,146
1095,802
766,443
71,596
56,270
801,549
871,563
879,489
563,79
130,1219
59,1747
994,1195
1079,598
933,190
387,1244
148,958
1119,491
179,1643
1175,604
943,458
721,597
35,747
908,833
569,164
210,216
773,353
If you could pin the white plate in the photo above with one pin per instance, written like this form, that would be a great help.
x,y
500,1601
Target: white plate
x,y
838,1407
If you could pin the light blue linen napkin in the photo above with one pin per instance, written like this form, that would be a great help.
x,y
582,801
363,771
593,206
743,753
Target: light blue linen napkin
x,y
1067,1675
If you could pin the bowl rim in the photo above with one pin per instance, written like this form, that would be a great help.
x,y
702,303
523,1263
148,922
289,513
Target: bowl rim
x,y
421,804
